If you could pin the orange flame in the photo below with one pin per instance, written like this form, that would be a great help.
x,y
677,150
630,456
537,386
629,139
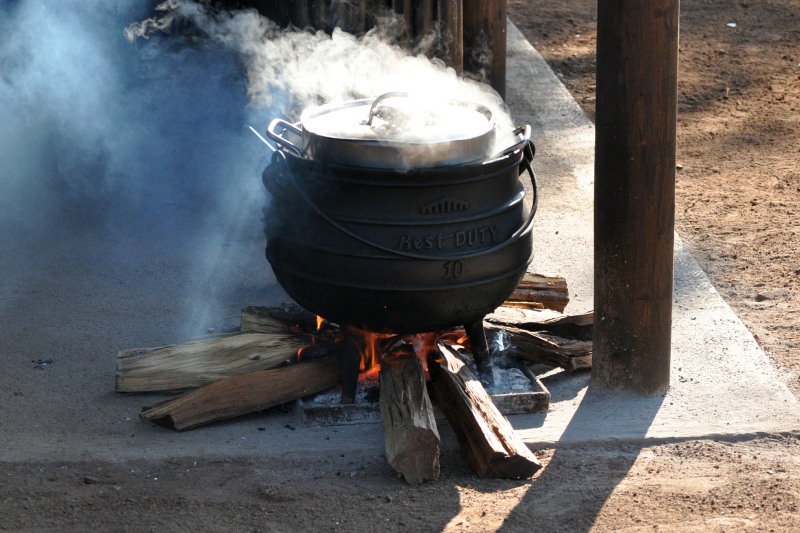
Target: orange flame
x,y
313,344
372,348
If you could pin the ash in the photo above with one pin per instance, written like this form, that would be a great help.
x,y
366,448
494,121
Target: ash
x,y
367,393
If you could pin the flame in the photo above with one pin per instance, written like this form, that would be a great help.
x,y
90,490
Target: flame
x,y
373,346
371,354
312,345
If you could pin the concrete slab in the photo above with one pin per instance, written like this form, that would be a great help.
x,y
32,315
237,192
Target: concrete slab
x,y
721,382
76,293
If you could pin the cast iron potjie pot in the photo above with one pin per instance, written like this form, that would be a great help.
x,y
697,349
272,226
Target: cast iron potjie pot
x,y
400,251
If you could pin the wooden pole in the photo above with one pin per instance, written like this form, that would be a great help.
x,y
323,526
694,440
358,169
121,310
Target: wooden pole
x,y
423,26
637,52
299,13
451,33
485,41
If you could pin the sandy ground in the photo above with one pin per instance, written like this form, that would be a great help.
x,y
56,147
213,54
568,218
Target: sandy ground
x,y
688,486
738,191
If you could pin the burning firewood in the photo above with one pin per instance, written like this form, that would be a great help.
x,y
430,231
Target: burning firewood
x,y
487,439
568,326
194,364
409,428
543,347
246,393
548,337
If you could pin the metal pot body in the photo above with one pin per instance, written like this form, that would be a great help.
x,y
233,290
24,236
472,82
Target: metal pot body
x,y
402,252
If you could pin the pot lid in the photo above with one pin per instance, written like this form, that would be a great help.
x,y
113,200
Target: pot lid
x,y
397,117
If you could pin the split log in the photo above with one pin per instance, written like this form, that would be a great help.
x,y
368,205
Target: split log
x,y
246,393
546,336
194,364
487,439
280,319
549,349
568,326
536,291
409,427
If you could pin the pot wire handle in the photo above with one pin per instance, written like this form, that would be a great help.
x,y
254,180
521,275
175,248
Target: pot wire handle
x,y
275,131
524,229
524,135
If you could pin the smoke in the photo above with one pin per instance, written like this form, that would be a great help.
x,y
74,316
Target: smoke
x,y
132,121
141,146
298,69
94,126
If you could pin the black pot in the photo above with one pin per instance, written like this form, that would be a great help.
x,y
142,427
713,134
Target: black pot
x,y
399,251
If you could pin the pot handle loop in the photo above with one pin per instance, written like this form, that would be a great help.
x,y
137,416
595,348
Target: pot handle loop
x,y
524,229
276,131
523,133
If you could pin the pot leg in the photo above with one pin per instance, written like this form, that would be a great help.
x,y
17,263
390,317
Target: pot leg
x,y
480,351
350,362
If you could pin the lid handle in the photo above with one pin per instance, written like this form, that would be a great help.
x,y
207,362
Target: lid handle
x,y
380,99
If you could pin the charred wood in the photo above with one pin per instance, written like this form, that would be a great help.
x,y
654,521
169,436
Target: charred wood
x,y
545,336
543,347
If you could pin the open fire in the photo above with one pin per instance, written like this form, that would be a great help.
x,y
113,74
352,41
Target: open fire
x,y
264,372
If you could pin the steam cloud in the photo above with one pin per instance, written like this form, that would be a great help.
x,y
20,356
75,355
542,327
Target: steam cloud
x,y
103,129
93,125
295,69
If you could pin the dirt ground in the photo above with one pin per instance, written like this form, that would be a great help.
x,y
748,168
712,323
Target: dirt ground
x,y
738,200
738,180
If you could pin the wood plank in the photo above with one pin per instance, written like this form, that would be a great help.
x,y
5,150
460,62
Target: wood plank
x,y
194,364
409,427
580,326
549,291
246,393
487,439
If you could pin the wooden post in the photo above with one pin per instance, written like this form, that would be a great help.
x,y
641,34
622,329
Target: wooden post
x,y
451,33
423,26
637,50
298,10
485,41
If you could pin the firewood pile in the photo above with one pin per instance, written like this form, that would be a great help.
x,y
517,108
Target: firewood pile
x,y
283,354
